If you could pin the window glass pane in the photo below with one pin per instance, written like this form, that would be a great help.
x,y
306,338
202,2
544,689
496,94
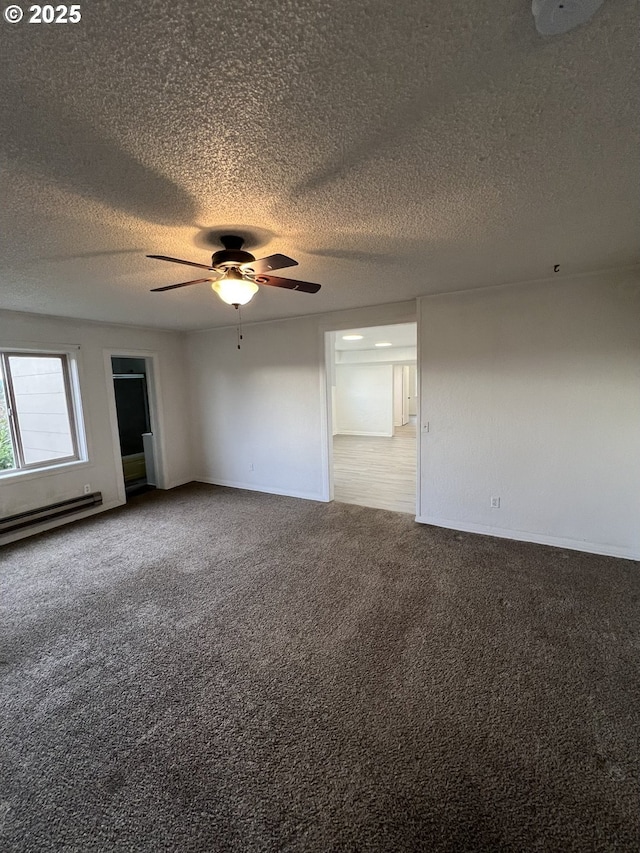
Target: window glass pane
x,y
7,460
41,408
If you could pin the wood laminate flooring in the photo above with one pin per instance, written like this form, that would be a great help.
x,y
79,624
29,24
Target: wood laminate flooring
x,y
376,471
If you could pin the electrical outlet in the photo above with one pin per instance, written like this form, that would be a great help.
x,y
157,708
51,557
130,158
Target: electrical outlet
x,y
495,503
87,488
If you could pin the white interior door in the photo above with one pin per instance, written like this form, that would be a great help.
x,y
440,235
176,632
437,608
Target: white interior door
x,y
397,395
406,394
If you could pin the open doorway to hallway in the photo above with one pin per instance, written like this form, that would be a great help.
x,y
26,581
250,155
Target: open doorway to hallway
x,y
373,412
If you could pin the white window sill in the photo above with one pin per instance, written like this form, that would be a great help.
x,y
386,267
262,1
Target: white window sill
x,y
13,476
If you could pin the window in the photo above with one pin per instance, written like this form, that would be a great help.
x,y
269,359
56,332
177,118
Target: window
x,y
38,411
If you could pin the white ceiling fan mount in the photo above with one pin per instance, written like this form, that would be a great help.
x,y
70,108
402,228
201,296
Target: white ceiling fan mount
x,y
555,17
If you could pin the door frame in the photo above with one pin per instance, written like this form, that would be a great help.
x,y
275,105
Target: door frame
x,y
328,331
155,414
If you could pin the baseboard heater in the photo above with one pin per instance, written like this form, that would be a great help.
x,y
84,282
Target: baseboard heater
x,y
48,513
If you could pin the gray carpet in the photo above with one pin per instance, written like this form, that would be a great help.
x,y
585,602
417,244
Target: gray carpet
x,y
218,670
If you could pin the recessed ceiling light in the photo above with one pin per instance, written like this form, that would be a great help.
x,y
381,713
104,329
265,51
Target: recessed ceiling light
x,y
384,344
352,337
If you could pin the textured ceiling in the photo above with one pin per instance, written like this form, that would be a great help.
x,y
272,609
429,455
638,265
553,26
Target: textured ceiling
x,y
393,148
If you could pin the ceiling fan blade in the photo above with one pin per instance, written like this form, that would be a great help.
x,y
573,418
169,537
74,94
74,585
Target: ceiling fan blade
x,y
178,261
182,284
289,283
271,262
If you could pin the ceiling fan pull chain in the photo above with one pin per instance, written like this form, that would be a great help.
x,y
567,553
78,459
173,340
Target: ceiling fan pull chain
x,y
239,326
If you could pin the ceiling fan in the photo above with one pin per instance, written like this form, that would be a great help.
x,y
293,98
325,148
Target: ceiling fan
x,y
237,273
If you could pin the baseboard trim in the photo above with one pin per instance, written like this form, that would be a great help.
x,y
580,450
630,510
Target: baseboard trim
x,y
251,487
357,432
538,539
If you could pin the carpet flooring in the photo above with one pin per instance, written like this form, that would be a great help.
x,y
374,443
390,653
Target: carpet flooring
x,y
210,669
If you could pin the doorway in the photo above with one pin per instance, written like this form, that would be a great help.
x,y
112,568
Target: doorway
x,y
134,424
372,391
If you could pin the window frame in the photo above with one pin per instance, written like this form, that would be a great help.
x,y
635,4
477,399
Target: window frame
x,y
74,413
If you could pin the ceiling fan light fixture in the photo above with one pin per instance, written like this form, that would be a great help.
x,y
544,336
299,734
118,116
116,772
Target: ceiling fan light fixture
x,y
233,289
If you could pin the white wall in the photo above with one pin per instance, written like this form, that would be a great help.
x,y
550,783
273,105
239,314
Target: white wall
x,y
364,399
398,356
28,490
532,394
257,421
